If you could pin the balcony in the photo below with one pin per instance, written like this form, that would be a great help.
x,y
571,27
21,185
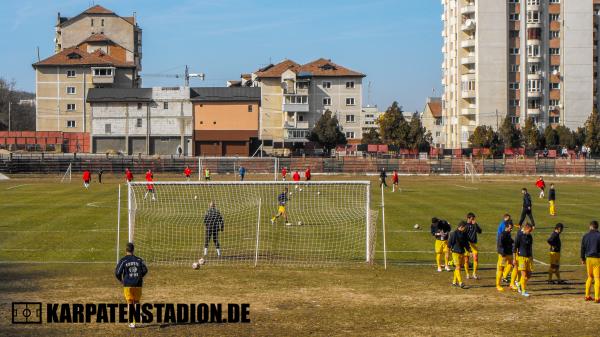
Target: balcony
x,y
467,111
534,94
534,24
296,125
467,60
468,77
468,94
469,9
103,75
468,26
534,59
297,135
533,111
291,107
469,43
534,76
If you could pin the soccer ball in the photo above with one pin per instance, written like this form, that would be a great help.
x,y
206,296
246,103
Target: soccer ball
x,y
201,261
290,193
195,265
299,223
195,197
296,187
417,226
300,190
288,224
318,193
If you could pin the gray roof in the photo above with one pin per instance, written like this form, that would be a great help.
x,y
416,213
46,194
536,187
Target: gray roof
x,y
225,94
119,95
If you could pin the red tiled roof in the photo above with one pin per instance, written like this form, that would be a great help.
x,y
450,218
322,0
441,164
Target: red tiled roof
x,y
320,67
324,67
75,56
130,19
435,108
97,38
98,10
277,69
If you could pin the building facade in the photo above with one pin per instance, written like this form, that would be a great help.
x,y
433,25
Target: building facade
x,y
225,121
516,58
369,117
294,96
433,121
141,120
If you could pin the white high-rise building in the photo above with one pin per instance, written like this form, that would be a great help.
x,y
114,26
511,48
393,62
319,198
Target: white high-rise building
x,y
521,58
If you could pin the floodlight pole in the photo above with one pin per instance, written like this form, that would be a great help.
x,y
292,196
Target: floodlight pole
x,y
383,228
118,222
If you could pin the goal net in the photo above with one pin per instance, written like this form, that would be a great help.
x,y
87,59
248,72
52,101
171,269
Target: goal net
x,y
471,173
327,222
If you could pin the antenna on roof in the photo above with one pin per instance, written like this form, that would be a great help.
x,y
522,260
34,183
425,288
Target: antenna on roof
x,y
369,94
38,52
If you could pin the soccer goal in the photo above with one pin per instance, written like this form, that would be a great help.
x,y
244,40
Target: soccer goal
x,y
231,165
328,222
471,173
67,175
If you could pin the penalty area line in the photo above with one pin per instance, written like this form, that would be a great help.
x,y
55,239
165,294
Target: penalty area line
x,y
17,186
57,262
467,187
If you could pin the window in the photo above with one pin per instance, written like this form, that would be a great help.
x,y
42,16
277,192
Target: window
x,y
326,85
350,134
70,73
327,101
533,104
533,50
468,86
533,2
513,51
513,1
302,85
71,90
102,22
554,119
514,119
554,69
297,100
554,34
350,85
514,103
138,123
71,124
350,101
533,17
349,118
514,33
107,128
515,68
103,72
534,85
139,106
300,118
514,17
554,51
554,17
554,102
554,1
70,107
533,68
92,22
249,107
535,119
166,105
554,86
437,133
513,86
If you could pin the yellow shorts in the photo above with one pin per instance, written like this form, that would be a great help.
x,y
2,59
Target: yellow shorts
x,y
554,258
457,258
281,210
525,263
473,248
593,265
441,246
504,260
132,294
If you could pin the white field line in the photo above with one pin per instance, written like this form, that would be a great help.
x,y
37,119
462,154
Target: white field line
x,y
540,262
60,231
94,204
17,186
467,187
57,262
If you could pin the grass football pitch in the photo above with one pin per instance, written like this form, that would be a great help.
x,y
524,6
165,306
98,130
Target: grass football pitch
x,y
57,245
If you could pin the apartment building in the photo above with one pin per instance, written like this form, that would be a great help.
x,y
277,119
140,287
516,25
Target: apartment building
x,y
369,117
141,120
95,49
294,96
433,121
517,58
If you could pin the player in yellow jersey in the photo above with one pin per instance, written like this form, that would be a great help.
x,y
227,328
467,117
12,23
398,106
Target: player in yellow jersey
x,y
590,256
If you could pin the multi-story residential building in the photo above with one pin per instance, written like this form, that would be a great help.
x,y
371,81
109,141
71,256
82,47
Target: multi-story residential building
x,y
225,121
141,120
433,121
294,96
369,117
517,58
95,49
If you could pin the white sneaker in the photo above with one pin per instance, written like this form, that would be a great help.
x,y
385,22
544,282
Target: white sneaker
x,y
205,251
132,325
448,268
272,221
526,294
218,252
439,269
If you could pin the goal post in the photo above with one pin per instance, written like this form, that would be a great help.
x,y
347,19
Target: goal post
x,y
470,172
328,222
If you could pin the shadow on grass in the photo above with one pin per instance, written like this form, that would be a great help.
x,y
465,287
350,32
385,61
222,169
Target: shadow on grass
x,y
19,278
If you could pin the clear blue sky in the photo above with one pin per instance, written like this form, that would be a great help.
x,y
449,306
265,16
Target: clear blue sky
x,y
395,42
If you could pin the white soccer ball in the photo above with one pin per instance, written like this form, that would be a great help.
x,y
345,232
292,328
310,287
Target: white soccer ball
x,y
195,197
318,193
195,265
299,223
417,226
296,187
300,190
288,224
290,193
201,261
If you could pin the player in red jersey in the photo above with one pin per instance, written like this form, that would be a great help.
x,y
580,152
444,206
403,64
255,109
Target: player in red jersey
x,y
283,173
187,172
307,175
128,175
86,178
541,184
150,187
395,181
296,177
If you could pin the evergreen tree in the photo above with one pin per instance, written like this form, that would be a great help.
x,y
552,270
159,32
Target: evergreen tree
x,y
394,128
510,136
327,132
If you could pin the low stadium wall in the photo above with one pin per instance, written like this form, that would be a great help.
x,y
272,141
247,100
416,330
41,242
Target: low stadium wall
x,y
58,163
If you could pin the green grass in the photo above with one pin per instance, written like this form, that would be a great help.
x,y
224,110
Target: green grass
x,y
45,221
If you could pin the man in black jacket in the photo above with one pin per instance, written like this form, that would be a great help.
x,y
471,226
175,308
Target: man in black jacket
x,y
555,245
130,272
382,177
590,256
459,244
213,221
472,230
440,229
523,251
526,211
505,247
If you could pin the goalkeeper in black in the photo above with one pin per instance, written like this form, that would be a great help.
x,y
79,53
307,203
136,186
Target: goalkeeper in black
x,y
213,221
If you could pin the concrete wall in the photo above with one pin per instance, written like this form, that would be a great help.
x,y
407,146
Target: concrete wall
x,y
225,116
271,113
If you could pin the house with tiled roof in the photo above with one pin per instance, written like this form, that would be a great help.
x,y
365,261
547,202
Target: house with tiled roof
x,y
433,121
94,49
294,96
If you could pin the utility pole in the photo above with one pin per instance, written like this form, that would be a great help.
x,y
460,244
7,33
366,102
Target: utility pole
x,y
497,123
9,106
